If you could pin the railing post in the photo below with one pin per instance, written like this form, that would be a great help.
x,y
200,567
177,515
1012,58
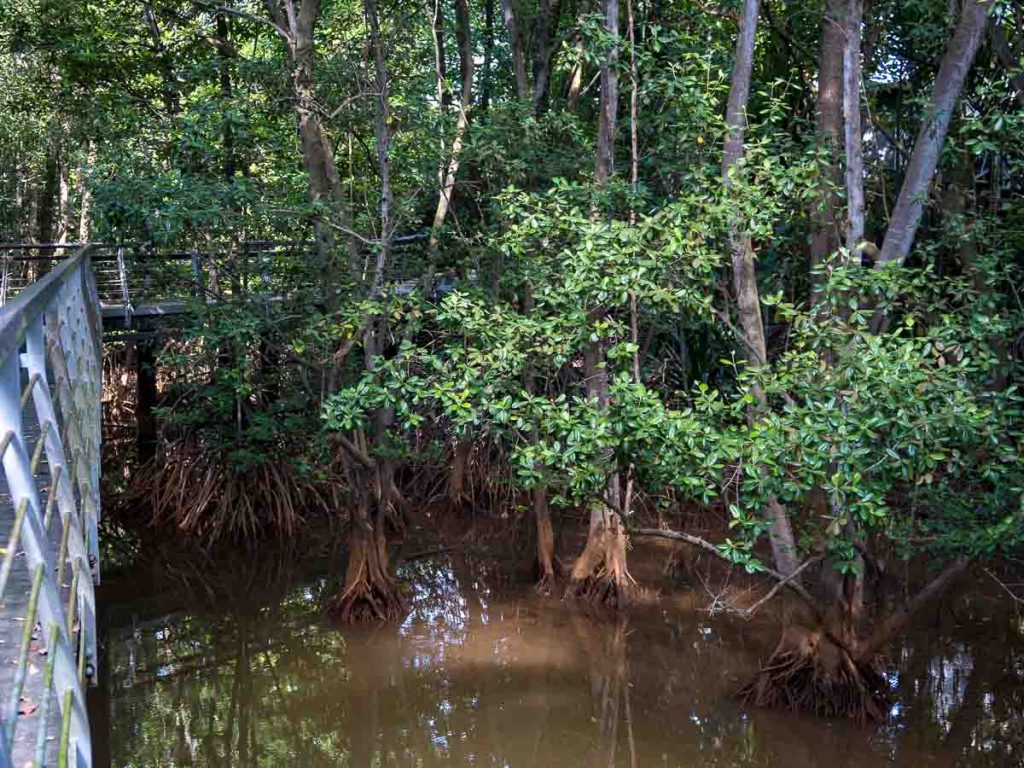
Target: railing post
x,y
122,275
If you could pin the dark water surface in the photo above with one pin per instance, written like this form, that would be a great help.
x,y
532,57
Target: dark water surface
x,y
219,665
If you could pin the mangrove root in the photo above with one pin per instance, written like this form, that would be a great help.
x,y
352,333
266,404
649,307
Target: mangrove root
x,y
599,575
808,672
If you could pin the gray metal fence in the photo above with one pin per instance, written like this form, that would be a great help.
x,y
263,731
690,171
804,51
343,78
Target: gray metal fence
x,y
50,394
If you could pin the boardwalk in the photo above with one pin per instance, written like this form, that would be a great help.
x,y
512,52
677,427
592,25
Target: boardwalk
x,y
49,508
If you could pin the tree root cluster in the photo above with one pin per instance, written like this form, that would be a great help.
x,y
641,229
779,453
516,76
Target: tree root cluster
x,y
600,576
198,492
809,673
370,594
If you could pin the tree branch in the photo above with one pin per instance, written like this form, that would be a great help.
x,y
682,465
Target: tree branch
x,y
362,457
707,546
898,619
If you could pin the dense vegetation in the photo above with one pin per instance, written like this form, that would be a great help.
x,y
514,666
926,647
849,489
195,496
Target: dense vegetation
x,y
755,267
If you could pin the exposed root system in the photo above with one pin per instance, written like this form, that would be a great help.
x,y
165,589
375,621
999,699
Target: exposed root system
x,y
370,593
198,492
599,575
807,672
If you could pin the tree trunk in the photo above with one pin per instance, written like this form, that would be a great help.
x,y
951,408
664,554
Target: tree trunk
x,y
546,32
605,161
515,42
370,593
383,134
85,191
545,540
444,199
576,76
956,62
487,80
852,132
170,83
824,215
457,475
325,185
744,275
634,117
444,94
599,574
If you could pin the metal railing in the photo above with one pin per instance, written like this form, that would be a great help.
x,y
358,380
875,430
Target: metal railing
x,y
133,280
50,392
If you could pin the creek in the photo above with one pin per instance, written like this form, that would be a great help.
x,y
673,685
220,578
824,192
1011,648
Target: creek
x,y
233,663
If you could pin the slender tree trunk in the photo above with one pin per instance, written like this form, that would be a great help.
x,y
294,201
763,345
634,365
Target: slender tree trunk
x,y
546,33
605,161
85,191
298,26
852,131
825,228
515,42
744,275
1010,60
600,574
486,81
634,118
444,199
50,192
444,95
956,62
63,200
370,592
383,134
172,102
576,75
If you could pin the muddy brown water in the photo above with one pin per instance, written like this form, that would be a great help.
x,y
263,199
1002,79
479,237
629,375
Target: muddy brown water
x,y
234,664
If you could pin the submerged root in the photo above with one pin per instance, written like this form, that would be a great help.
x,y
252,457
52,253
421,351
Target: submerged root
x,y
364,602
370,593
546,584
809,673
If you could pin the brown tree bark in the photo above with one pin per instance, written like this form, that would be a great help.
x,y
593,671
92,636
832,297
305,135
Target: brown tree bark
x,y
172,101
486,81
546,35
296,23
515,42
956,63
634,122
604,163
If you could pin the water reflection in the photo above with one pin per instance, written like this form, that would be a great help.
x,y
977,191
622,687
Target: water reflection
x,y
483,673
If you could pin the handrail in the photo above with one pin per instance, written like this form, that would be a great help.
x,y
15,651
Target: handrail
x,y
50,393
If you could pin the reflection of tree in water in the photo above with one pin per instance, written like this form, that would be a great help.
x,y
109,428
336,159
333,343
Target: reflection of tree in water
x,y
610,685
254,676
